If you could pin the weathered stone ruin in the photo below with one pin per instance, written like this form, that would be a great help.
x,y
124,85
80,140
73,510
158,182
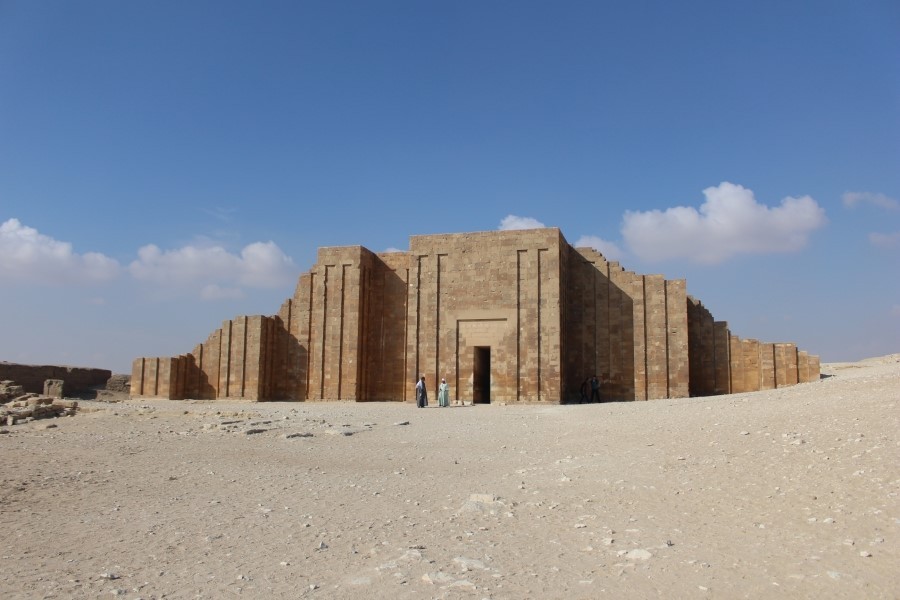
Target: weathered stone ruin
x,y
54,388
504,316
18,406
75,379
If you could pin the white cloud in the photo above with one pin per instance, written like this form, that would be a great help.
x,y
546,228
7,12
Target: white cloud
x,y
392,250
27,256
215,292
885,240
851,199
608,249
730,222
510,222
264,265
212,271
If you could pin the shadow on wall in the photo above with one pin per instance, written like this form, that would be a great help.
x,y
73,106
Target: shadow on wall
x,y
599,327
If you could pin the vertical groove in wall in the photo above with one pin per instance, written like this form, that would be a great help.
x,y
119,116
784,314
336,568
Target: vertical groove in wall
x,y
340,360
539,336
518,324
362,361
774,366
437,324
228,360
405,389
359,376
728,359
759,369
594,343
646,338
362,341
609,332
308,340
324,335
244,359
456,354
418,311
266,359
287,342
200,360
286,350
666,321
220,391
712,353
381,333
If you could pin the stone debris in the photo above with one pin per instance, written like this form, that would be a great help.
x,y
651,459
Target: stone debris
x,y
19,407
10,390
469,564
119,383
54,388
483,503
437,578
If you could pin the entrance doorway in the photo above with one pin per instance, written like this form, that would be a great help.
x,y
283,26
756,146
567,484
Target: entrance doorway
x,y
481,379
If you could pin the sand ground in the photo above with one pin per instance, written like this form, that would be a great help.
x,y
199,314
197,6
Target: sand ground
x,y
791,493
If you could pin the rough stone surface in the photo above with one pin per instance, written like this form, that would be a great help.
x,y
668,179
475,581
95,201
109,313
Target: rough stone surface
x,y
119,383
54,388
32,377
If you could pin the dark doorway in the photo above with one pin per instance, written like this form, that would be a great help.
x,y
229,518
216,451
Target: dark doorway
x,y
481,379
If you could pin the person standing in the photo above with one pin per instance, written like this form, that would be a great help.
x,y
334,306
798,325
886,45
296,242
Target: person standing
x,y
444,393
595,389
421,393
584,390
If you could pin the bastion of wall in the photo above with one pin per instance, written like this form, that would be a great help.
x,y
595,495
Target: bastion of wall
x,y
503,316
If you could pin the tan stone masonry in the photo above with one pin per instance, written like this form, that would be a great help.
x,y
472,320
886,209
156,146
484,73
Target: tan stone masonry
x,y
504,316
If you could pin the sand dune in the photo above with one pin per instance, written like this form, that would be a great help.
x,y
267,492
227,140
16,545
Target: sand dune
x,y
785,493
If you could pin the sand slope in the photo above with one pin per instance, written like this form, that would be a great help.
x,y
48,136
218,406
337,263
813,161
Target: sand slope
x,y
787,493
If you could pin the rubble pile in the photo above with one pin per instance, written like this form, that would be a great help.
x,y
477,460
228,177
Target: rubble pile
x,y
18,407
9,390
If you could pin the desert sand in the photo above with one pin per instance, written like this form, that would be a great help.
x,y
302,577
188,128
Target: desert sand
x,y
791,493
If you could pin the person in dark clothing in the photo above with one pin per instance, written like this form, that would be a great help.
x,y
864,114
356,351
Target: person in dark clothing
x,y
595,389
421,393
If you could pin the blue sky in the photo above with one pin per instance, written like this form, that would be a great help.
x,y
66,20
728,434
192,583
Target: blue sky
x,y
165,166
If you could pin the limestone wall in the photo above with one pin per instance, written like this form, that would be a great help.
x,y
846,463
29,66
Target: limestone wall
x,y
630,330
331,324
31,377
738,365
503,316
491,297
386,292
234,362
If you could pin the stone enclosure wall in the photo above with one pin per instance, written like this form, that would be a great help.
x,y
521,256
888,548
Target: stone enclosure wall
x,y
504,316
32,377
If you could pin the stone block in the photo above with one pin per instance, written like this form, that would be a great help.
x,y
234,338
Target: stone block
x,y
54,388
